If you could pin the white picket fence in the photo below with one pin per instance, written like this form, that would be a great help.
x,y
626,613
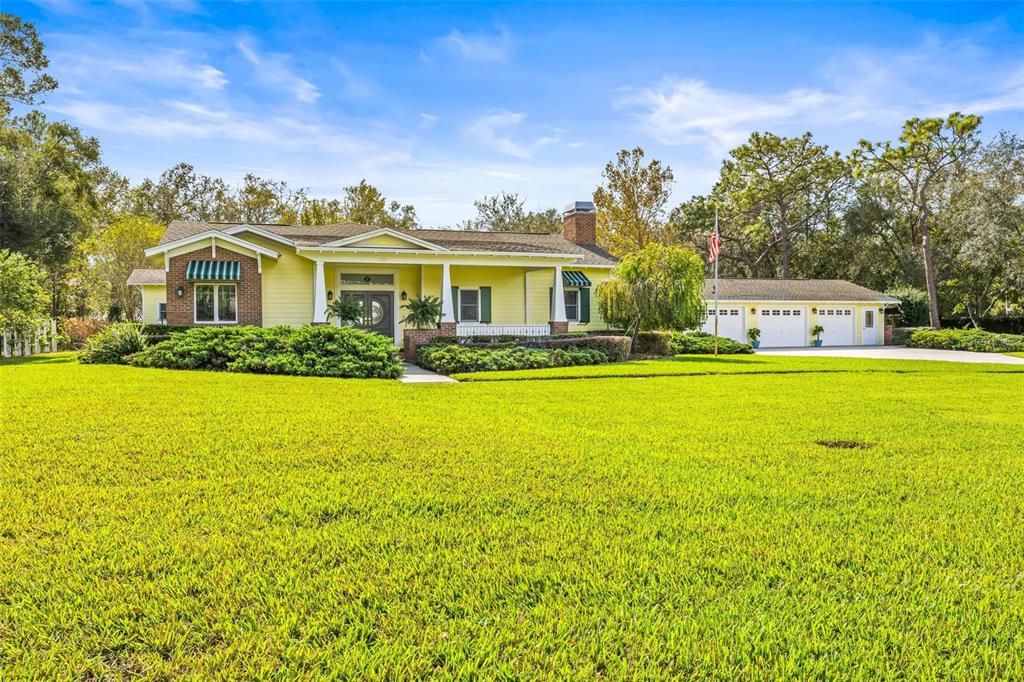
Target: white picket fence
x,y
44,340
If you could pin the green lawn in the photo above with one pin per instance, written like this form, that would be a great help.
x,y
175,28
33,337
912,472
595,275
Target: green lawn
x,y
161,523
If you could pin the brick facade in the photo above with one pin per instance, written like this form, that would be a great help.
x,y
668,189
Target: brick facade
x,y
180,310
580,227
413,338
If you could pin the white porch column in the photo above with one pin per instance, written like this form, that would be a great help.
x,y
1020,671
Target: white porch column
x,y
319,294
447,306
559,312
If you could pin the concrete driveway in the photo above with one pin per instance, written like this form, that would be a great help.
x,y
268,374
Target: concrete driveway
x,y
895,353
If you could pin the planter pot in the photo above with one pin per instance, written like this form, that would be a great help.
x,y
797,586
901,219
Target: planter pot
x,y
755,344
817,343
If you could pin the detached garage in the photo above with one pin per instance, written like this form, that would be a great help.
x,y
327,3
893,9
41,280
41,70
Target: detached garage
x,y
786,310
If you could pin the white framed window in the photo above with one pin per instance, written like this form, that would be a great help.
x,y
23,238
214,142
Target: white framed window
x,y
161,311
869,318
469,305
572,305
215,303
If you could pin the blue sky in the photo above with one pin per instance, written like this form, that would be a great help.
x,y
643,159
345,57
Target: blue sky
x,y
441,104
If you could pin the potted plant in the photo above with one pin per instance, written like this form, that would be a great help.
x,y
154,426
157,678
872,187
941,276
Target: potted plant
x,y
754,334
345,310
816,330
424,312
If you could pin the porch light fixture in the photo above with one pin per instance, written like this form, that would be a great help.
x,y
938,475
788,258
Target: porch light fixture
x,y
753,311
814,311
404,296
180,291
330,295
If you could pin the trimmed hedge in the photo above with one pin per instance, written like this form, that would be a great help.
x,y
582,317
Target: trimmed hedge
x,y
615,348
966,339
453,358
164,329
304,351
653,343
702,343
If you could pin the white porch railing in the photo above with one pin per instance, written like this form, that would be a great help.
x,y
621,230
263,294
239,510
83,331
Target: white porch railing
x,y
465,329
14,345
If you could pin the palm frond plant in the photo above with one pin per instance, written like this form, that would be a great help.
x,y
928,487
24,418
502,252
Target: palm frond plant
x,y
346,310
424,312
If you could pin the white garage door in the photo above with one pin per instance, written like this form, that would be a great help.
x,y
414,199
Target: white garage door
x,y
783,326
730,323
838,324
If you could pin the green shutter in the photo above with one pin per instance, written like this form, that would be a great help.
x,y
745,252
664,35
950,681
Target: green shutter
x,y
551,303
584,305
455,302
485,305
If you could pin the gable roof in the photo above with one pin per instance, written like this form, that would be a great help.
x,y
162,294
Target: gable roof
x,y
736,289
453,240
144,276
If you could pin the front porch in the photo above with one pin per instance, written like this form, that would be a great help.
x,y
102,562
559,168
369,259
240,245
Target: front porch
x,y
514,298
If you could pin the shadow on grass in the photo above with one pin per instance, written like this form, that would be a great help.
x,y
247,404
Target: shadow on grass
x,y
41,359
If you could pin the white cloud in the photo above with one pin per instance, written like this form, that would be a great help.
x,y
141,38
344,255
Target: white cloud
x,y
427,120
479,47
875,88
493,131
275,69
353,85
160,66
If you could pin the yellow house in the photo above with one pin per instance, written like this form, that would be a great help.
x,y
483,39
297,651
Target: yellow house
x,y
488,282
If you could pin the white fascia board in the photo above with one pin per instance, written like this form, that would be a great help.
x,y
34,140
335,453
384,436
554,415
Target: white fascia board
x,y
430,246
211,234
261,232
453,256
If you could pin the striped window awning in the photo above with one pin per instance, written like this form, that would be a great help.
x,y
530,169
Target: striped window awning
x,y
208,270
574,278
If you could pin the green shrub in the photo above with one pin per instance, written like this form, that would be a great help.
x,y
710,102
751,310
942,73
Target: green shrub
x,y
304,351
653,343
615,348
164,329
966,339
113,344
700,343
455,358
912,309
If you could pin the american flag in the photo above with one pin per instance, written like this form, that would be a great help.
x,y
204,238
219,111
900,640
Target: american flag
x,y
716,246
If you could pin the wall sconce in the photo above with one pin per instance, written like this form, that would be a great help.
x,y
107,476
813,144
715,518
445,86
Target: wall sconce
x,y
881,310
753,311
404,295
814,311
180,291
330,295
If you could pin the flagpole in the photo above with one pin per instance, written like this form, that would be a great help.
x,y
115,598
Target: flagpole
x,y
716,283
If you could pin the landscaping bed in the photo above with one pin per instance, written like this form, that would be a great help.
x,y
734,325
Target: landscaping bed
x,y
976,340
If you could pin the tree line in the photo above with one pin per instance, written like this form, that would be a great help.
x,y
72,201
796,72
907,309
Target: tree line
x,y
936,212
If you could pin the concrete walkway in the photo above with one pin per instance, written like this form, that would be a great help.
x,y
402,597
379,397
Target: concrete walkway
x,y
895,353
414,374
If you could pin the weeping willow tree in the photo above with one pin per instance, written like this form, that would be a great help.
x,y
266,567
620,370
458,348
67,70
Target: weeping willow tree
x,y
657,287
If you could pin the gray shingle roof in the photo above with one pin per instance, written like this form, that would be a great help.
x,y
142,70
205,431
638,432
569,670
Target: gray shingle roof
x,y
731,289
456,240
142,276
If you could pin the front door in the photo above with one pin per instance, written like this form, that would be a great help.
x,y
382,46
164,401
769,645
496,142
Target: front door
x,y
868,333
378,310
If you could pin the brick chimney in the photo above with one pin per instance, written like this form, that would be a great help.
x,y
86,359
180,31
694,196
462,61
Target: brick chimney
x,y
579,223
